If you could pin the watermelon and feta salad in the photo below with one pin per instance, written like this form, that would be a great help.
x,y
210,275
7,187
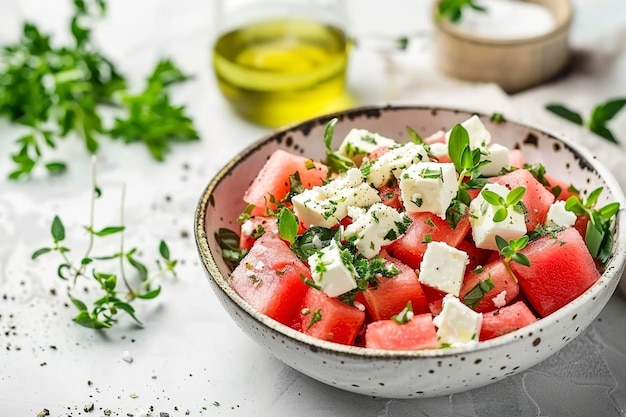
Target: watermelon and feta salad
x,y
434,243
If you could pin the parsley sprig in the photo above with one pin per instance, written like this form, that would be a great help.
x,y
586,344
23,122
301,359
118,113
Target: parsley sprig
x,y
600,115
598,237
59,92
103,314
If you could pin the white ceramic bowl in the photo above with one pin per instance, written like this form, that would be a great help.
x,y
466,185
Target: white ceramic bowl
x,y
404,374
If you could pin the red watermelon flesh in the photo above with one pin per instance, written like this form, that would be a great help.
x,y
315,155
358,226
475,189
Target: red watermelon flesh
x,y
392,294
505,320
273,179
561,269
537,198
329,319
502,281
410,247
269,279
419,333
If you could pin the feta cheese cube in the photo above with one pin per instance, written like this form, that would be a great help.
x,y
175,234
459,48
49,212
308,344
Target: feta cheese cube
x,y
394,162
377,227
499,300
457,324
429,187
330,273
485,229
558,216
360,142
479,136
443,267
326,205
498,157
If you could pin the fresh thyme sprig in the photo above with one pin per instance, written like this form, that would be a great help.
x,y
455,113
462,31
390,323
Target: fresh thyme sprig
x,y
600,115
598,237
513,201
103,314
510,252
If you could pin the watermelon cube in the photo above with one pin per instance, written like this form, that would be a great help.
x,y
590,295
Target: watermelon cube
x,y
329,319
426,227
504,289
273,179
505,320
269,279
419,333
391,295
561,269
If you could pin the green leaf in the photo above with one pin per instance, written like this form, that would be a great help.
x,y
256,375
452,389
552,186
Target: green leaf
x,y
458,143
150,294
311,241
520,258
602,131
565,113
139,267
500,215
415,137
64,269
515,196
56,168
336,162
604,112
287,225
129,310
493,198
501,243
476,294
164,250
57,229
81,306
109,230
39,252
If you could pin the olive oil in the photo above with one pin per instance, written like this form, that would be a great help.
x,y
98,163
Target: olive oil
x,y
280,71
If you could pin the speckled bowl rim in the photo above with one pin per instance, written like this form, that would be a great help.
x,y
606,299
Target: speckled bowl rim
x,y
562,26
609,278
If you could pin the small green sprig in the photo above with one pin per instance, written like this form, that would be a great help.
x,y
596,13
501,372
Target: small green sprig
x,y
510,252
453,9
406,315
598,237
600,115
335,161
103,314
476,294
513,201
467,162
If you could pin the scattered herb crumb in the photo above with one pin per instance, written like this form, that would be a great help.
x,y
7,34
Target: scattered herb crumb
x,y
216,403
133,395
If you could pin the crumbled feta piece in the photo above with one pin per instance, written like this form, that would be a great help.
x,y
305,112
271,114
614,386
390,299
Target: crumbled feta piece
x,y
372,230
498,157
479,136
394,162
484,229
247,228
457,324
429,187
326,205
443,267
500,299
439,149
558,216
360,142
329,271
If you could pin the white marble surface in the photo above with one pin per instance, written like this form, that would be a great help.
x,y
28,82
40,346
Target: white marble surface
x,y
190,358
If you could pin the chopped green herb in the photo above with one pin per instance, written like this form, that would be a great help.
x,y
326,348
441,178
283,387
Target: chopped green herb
x,y
476,294
427,238
335,161
405,315
287,225
317,316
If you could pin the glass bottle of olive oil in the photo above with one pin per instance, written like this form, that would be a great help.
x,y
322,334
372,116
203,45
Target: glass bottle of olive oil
x,y
283,70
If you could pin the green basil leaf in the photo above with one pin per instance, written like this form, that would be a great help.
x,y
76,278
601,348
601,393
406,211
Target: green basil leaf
x,y
565,113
